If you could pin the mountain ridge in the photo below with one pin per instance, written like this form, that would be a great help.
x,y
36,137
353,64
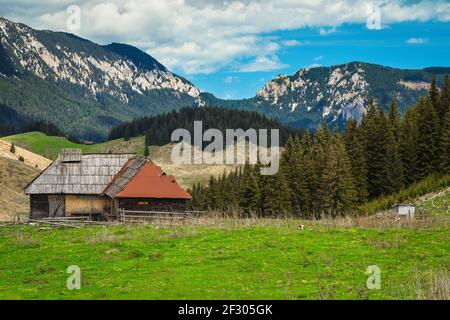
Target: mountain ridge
x,y
87,88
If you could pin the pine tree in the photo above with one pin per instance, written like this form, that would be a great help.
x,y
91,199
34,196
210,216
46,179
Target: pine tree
x,y
444,149
355,149
293,167
317,157
428,136
433,94
443,105
409,133
384,166
275,195
250,193
394,119
394,166
337,183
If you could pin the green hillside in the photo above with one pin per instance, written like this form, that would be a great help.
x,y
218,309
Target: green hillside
x,y
50,146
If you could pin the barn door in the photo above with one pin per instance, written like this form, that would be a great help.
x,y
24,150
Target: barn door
x,y
56,206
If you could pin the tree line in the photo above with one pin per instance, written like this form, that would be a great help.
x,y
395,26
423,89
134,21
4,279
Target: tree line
x,y
13,123
335,172
158,129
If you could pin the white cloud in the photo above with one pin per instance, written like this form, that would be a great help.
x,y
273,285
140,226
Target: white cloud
x,y
231,79
291,43
263,63
199,36
318,58
314,65
416,41
327,31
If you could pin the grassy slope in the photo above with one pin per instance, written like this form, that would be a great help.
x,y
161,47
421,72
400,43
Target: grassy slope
x,y
436,204
413,194
49,146
14,176
218,262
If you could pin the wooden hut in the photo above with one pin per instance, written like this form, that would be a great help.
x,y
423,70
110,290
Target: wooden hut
x,y
100,184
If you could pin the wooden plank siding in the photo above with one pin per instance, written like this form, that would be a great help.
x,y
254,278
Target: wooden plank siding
x,y
175,205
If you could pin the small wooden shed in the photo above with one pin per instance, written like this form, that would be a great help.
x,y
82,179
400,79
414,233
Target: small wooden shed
x,y
406,210
101,184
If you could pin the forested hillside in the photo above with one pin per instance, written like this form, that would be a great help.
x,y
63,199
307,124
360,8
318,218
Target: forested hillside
x,y
158,129
12,123
334,173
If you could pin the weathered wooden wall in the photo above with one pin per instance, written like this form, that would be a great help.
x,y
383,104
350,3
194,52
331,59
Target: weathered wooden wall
x,y
38,206
153,204
87,204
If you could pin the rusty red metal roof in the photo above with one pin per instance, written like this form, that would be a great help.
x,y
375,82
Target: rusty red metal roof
x,y
152,182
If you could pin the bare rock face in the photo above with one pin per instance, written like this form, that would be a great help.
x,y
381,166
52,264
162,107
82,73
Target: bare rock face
x,y
86,72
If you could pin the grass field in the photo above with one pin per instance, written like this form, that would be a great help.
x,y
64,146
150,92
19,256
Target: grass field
x,y
227,259
50,146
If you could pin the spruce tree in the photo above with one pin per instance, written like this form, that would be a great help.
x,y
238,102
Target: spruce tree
x,y
394,119
337,183
433,94
443,105
409,133
444,149
291,169
394,166
428,136
275,195
250,193
355,149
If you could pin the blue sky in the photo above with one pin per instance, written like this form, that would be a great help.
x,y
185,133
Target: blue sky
x,y
391,46
232,47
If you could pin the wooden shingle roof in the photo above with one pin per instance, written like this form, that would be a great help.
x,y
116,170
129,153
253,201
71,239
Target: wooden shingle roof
x,y
91,175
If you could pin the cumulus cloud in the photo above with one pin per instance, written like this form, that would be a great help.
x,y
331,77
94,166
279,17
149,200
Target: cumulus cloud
x,y
263,63
416,41
327,31
231,79
200,36
291,43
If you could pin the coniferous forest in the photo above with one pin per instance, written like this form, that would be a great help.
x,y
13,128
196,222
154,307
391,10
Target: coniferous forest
x,y
158,129
333,173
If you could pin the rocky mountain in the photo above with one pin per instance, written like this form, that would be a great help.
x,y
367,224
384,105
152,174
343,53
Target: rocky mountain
x,y
82,86
86,89
335,94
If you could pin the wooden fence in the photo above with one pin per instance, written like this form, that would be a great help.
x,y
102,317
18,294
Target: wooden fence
x,y
160,217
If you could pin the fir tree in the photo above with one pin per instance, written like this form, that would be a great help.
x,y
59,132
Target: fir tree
x,y
250,193
443,106
275,195
337,183
409,133
355,149
433,94
428,135
394,119
444,149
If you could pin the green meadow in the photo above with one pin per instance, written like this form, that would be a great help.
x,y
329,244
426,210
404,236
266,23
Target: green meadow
x,y
227,259
50,146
